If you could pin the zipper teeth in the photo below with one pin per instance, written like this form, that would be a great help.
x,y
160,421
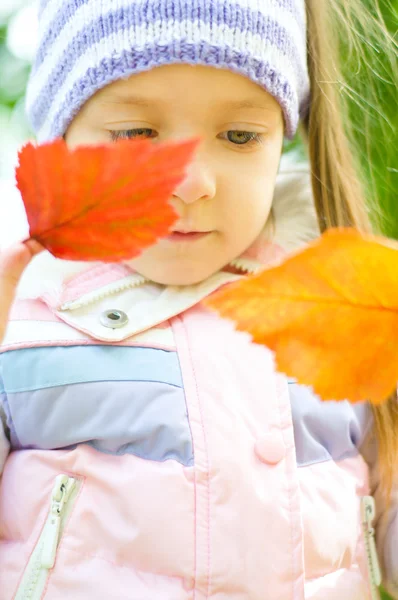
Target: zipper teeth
x,y
246,265
368,538
30,588
90,299
373,586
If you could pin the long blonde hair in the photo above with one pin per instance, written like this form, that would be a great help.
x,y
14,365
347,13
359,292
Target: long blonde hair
x,y
338,179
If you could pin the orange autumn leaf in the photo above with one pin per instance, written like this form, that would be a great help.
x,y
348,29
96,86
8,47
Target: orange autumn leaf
x,y
105,202
329,313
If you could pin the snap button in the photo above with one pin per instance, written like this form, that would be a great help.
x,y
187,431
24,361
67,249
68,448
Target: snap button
x,y
114,319
270,448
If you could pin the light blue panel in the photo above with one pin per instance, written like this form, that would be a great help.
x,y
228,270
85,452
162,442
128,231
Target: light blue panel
x,y
37,368
326,430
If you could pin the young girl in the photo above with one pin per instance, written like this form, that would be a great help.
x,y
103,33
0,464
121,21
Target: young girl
x,y
149,450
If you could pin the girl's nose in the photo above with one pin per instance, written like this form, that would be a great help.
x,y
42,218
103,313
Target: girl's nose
x,y
199,183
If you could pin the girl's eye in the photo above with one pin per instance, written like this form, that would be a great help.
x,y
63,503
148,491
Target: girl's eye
x,y
243,138
130,134
238,138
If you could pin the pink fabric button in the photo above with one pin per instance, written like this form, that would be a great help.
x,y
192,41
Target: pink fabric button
x,y
270,448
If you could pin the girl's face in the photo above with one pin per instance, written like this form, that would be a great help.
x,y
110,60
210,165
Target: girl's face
x,y
227,193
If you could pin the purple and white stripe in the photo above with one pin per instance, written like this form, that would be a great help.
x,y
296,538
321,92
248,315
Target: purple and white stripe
x,y
84,47
127,13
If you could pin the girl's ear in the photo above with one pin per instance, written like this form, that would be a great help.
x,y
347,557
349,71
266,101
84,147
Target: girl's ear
x,y
294,214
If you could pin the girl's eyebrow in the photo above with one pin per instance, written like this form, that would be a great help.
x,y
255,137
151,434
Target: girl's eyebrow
x,y
250,103
143,102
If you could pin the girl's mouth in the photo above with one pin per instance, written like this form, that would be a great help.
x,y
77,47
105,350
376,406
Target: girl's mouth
x,y
191,236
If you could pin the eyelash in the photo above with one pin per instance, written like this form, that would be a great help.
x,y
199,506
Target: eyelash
x,y
254,138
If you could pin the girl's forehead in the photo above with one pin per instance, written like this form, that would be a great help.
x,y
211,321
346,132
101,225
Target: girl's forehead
x,y
187,83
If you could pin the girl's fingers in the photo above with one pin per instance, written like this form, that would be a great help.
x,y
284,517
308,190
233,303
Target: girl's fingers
x,y
13,262
33,246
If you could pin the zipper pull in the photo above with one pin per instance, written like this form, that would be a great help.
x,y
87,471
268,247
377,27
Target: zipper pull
x,y
368,513
59,497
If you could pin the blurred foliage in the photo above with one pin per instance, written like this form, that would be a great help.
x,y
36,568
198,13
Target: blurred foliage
x,y
372,99
14,128
13,74
374,115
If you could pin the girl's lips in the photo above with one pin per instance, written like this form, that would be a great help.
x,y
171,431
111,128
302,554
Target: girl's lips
x,y
177,236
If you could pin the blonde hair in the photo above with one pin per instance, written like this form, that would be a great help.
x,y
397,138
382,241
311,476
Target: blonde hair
x,y
338,180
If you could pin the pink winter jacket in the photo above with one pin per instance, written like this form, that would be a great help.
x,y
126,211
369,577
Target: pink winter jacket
x,y
151,452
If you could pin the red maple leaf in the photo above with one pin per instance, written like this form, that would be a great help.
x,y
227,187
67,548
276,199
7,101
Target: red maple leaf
x,y
105,202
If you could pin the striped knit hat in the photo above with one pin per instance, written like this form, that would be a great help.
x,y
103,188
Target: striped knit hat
x,y
87,44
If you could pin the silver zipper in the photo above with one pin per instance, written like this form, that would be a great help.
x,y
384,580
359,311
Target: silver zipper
x,y
43,556
368,513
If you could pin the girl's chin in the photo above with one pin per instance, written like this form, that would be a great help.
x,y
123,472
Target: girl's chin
x,y
179,280
174,276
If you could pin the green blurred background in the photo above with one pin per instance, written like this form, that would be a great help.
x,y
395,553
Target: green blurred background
x,y
373,112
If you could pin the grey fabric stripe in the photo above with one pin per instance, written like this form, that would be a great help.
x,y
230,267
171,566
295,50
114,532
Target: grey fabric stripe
x,y
146,419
